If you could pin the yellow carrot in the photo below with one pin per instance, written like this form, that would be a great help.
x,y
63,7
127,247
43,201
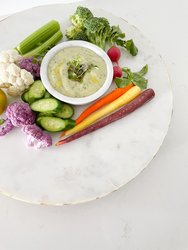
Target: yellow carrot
x,y
119,102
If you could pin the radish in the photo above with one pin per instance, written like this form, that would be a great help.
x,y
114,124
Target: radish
x,y
114,53
117,72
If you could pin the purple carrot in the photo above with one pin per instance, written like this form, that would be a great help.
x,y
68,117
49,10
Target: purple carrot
x,y
140,100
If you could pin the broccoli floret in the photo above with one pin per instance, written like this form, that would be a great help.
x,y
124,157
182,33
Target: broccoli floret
x,y
74,33
80,16
114,34
97,30
116,37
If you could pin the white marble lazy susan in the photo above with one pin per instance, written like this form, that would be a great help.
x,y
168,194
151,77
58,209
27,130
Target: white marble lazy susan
x,y
101,162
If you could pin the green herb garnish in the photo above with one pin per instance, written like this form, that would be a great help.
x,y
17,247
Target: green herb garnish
x,y
132,77
77,70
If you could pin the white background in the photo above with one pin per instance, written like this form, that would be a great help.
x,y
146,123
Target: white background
x,y
151,212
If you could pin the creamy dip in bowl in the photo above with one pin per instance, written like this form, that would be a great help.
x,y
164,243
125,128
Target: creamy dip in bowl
x,y
76,72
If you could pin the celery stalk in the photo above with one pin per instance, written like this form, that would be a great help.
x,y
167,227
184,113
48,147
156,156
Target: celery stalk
x,y
43,48
38,37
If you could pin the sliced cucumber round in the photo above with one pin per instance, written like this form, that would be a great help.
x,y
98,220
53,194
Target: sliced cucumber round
x,y
70,123
47,94
66,111
45,114
52,124
36,91
25,96
48,105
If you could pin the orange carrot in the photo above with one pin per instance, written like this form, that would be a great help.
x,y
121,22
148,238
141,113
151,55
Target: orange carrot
x,y
103,101
114,94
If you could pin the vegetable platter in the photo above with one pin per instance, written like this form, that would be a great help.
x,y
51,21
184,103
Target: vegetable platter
x,y
98,162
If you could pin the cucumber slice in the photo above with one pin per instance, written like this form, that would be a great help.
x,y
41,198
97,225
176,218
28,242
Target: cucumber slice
x,y
66,111
36,91
52,124
38,120
25,96
45,114
49,105
47,94
70,123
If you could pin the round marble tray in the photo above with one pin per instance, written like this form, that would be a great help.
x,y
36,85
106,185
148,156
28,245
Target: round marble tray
x,y
101,162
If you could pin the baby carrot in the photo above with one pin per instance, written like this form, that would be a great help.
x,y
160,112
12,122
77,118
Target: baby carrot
x,y
103,101
119,102
140,100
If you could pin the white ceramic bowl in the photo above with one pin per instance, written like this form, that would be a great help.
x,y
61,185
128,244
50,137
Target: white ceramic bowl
x,y
83,100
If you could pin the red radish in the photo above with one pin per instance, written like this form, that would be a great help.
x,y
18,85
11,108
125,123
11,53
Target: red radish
x,y
114,53
117,72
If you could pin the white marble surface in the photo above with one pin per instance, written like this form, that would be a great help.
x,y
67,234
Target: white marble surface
x,y
101,162
150,213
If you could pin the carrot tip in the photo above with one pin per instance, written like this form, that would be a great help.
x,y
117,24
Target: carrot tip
x,y
59,143
62,134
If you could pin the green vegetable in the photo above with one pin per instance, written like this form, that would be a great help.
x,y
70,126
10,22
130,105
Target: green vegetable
x,y
77,30
36,91
47,94
70,123
129,45
49,105
132,77
115,34
66,111
25,96
38,37
76,33
79,17
43,48
45,114
97,30
52,124
38,120
77,70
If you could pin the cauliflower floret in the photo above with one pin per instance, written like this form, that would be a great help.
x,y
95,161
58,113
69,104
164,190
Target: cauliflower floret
x,y
36,137
11,79
14,56
10,73
21,88
3,66
27,77
19,82
9,56
4,57
4,76
20,114
13,91
5,127
44,142
4,85
31,65
13,69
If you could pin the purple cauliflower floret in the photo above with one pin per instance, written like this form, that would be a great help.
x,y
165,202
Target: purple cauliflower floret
x,y
32,65
20,114
5,127
36,137
45,141
33,130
